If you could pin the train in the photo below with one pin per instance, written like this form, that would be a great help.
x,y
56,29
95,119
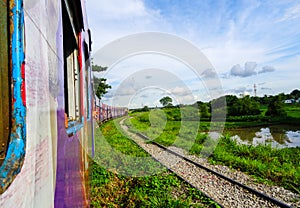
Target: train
x,y
104,112
47,106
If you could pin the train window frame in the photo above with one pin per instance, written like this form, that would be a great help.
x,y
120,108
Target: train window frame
x,y
87,80
72,80
15,40
5,91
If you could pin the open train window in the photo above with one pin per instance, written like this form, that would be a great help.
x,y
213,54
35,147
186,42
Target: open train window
x,y
5,101
71,27
86,86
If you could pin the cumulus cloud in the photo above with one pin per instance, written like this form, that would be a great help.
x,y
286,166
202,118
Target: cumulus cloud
x,y
125,91
186,99
182,95
225,75
208,73
180,91
266,69
248,70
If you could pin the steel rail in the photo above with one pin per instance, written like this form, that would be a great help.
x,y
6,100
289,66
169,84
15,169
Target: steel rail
x,y
172,171
260,194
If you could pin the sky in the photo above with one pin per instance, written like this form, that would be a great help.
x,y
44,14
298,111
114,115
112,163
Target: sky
x,y
243,43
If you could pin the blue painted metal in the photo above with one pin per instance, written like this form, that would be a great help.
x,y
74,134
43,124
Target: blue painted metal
x,y
74,126
16,150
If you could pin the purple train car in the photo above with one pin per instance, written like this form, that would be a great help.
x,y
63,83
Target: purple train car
x,y
46,105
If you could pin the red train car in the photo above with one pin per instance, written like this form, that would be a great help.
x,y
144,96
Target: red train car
x,y
104,112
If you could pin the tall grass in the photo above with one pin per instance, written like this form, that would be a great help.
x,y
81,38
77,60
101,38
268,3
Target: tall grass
x,y
112,186
276,166
279,166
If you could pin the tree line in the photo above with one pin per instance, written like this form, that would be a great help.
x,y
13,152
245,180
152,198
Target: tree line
x,y
244,106
247,106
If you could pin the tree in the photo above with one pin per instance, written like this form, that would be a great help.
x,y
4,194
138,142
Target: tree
x,y
275,108
203,108
231,100
145,108
295,94
265,100
96,68
102,87
244,106
166,101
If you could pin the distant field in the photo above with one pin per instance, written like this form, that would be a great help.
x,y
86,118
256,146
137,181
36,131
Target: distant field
x,y
263,109
292,111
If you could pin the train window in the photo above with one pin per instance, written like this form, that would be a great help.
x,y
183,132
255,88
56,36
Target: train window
x,y
87,91
5,104
71,66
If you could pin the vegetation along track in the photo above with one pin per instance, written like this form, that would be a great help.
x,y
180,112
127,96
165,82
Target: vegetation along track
x,y
222,189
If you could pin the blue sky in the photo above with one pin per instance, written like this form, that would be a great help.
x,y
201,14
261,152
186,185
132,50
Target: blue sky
x,y
247,42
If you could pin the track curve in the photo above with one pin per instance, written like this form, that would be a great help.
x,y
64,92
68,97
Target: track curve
x,y
260,194
238,194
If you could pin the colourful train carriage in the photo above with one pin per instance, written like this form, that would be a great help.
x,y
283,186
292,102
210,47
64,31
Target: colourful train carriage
x,y
46,122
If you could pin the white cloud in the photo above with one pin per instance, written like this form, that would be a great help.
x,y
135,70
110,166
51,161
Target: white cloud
x,y
224,53
248,70
120,9
186,99
125,91
209,73
266,69
227,35
180,91
291,13
240,91
113,19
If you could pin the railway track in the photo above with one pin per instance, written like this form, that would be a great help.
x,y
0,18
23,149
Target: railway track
x,y
247,188
224,190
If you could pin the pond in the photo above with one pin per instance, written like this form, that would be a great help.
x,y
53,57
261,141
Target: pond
x,y
277,136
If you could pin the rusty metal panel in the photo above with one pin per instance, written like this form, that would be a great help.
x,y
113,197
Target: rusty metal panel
x,y
4,81
14,158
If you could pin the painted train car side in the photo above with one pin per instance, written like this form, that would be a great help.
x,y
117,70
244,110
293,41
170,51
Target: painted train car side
x,y
46,105
104,112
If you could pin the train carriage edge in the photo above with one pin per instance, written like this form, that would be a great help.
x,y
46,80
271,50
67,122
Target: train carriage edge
x,y
46,120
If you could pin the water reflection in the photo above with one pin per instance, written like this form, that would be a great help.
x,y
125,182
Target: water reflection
x,y
276,136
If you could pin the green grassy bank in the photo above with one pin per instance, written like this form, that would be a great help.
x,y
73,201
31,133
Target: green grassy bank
x,y
275,166
111,183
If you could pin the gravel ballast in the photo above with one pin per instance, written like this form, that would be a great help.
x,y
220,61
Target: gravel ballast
x,y
220,190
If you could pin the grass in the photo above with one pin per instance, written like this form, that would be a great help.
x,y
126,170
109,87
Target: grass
x,y
276,166
293,111
263,109
112,180
112,190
